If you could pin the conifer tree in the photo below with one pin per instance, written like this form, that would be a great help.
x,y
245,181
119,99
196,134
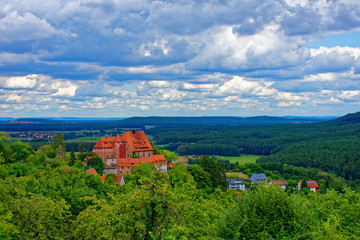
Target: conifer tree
x,y
72,157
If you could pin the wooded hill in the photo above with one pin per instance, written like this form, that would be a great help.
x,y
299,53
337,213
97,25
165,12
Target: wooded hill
x,y
38,124
333,146
45,195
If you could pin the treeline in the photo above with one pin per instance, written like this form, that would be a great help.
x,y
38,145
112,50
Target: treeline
x,y
332,146
258,140
292,174
43,197
340,155
141,122
62,202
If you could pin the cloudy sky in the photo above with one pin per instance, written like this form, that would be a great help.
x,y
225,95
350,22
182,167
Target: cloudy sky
x,y
121,58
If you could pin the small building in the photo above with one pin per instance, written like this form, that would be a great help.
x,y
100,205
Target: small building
x,y
119,180
92,171
258,178
311,185
120,154
236,183
281,183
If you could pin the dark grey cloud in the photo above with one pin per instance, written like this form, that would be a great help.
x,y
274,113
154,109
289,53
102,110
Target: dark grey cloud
x,y
193,55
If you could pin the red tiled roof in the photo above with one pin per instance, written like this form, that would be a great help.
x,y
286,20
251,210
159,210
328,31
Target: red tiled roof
x,y
92,171
118,138
118,179
105,143
130,162
103,178
170,165
279,182
312,184
137,141
159,157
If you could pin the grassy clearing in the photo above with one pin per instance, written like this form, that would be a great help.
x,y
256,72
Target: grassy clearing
x,y
68,154
243,159
236,175
85,139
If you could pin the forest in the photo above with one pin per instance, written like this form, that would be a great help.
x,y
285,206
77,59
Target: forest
x,y
41,124
47,195
332,146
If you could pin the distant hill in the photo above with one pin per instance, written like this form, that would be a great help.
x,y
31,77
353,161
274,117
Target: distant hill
x,y
333,146
72,124
34,120
350,118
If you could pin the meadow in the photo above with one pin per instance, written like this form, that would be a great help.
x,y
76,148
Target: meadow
x,y
243,159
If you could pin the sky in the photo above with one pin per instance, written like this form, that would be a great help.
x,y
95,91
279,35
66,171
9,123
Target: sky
x,y
123,58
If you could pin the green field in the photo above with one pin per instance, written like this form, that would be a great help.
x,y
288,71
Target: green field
x,y
85,139
243,159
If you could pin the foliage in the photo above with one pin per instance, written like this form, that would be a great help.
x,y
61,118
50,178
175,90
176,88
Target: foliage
x,y
330,146
44,198
58,141
111,178
201,177
8,230
266,213
336,155
82,156
97,163
20,151
180,175
170,156
72,157
216,172
5,152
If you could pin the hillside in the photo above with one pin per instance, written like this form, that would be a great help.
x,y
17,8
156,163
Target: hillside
x,y
333,146
26,124
351,118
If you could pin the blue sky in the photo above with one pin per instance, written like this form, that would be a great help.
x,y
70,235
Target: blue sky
x,y
121,58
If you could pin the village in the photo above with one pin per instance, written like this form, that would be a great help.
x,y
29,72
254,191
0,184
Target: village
x,y
121,153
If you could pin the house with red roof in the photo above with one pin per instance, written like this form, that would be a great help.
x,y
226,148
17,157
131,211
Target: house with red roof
x,y
312,186
121,153
92,171
281,183
119,179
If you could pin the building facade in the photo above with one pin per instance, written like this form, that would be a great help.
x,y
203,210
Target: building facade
x,y
281,183
236,183
120,154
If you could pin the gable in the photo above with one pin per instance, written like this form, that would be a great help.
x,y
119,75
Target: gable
x,y
137,141
258,177
312,184
105,143
92,171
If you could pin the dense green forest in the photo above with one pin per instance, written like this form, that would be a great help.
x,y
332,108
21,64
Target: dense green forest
x,y
332,146
39,124
46,195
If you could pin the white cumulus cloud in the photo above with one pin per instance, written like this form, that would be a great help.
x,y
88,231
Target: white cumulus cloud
x,y
28,81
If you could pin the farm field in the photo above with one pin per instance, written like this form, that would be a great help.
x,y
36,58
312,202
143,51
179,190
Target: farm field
x,y
243,159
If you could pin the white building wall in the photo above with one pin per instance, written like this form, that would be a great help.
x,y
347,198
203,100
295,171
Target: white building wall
x,y
110,170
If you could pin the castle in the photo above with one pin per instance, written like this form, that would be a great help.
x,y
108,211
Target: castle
x,y
120,154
